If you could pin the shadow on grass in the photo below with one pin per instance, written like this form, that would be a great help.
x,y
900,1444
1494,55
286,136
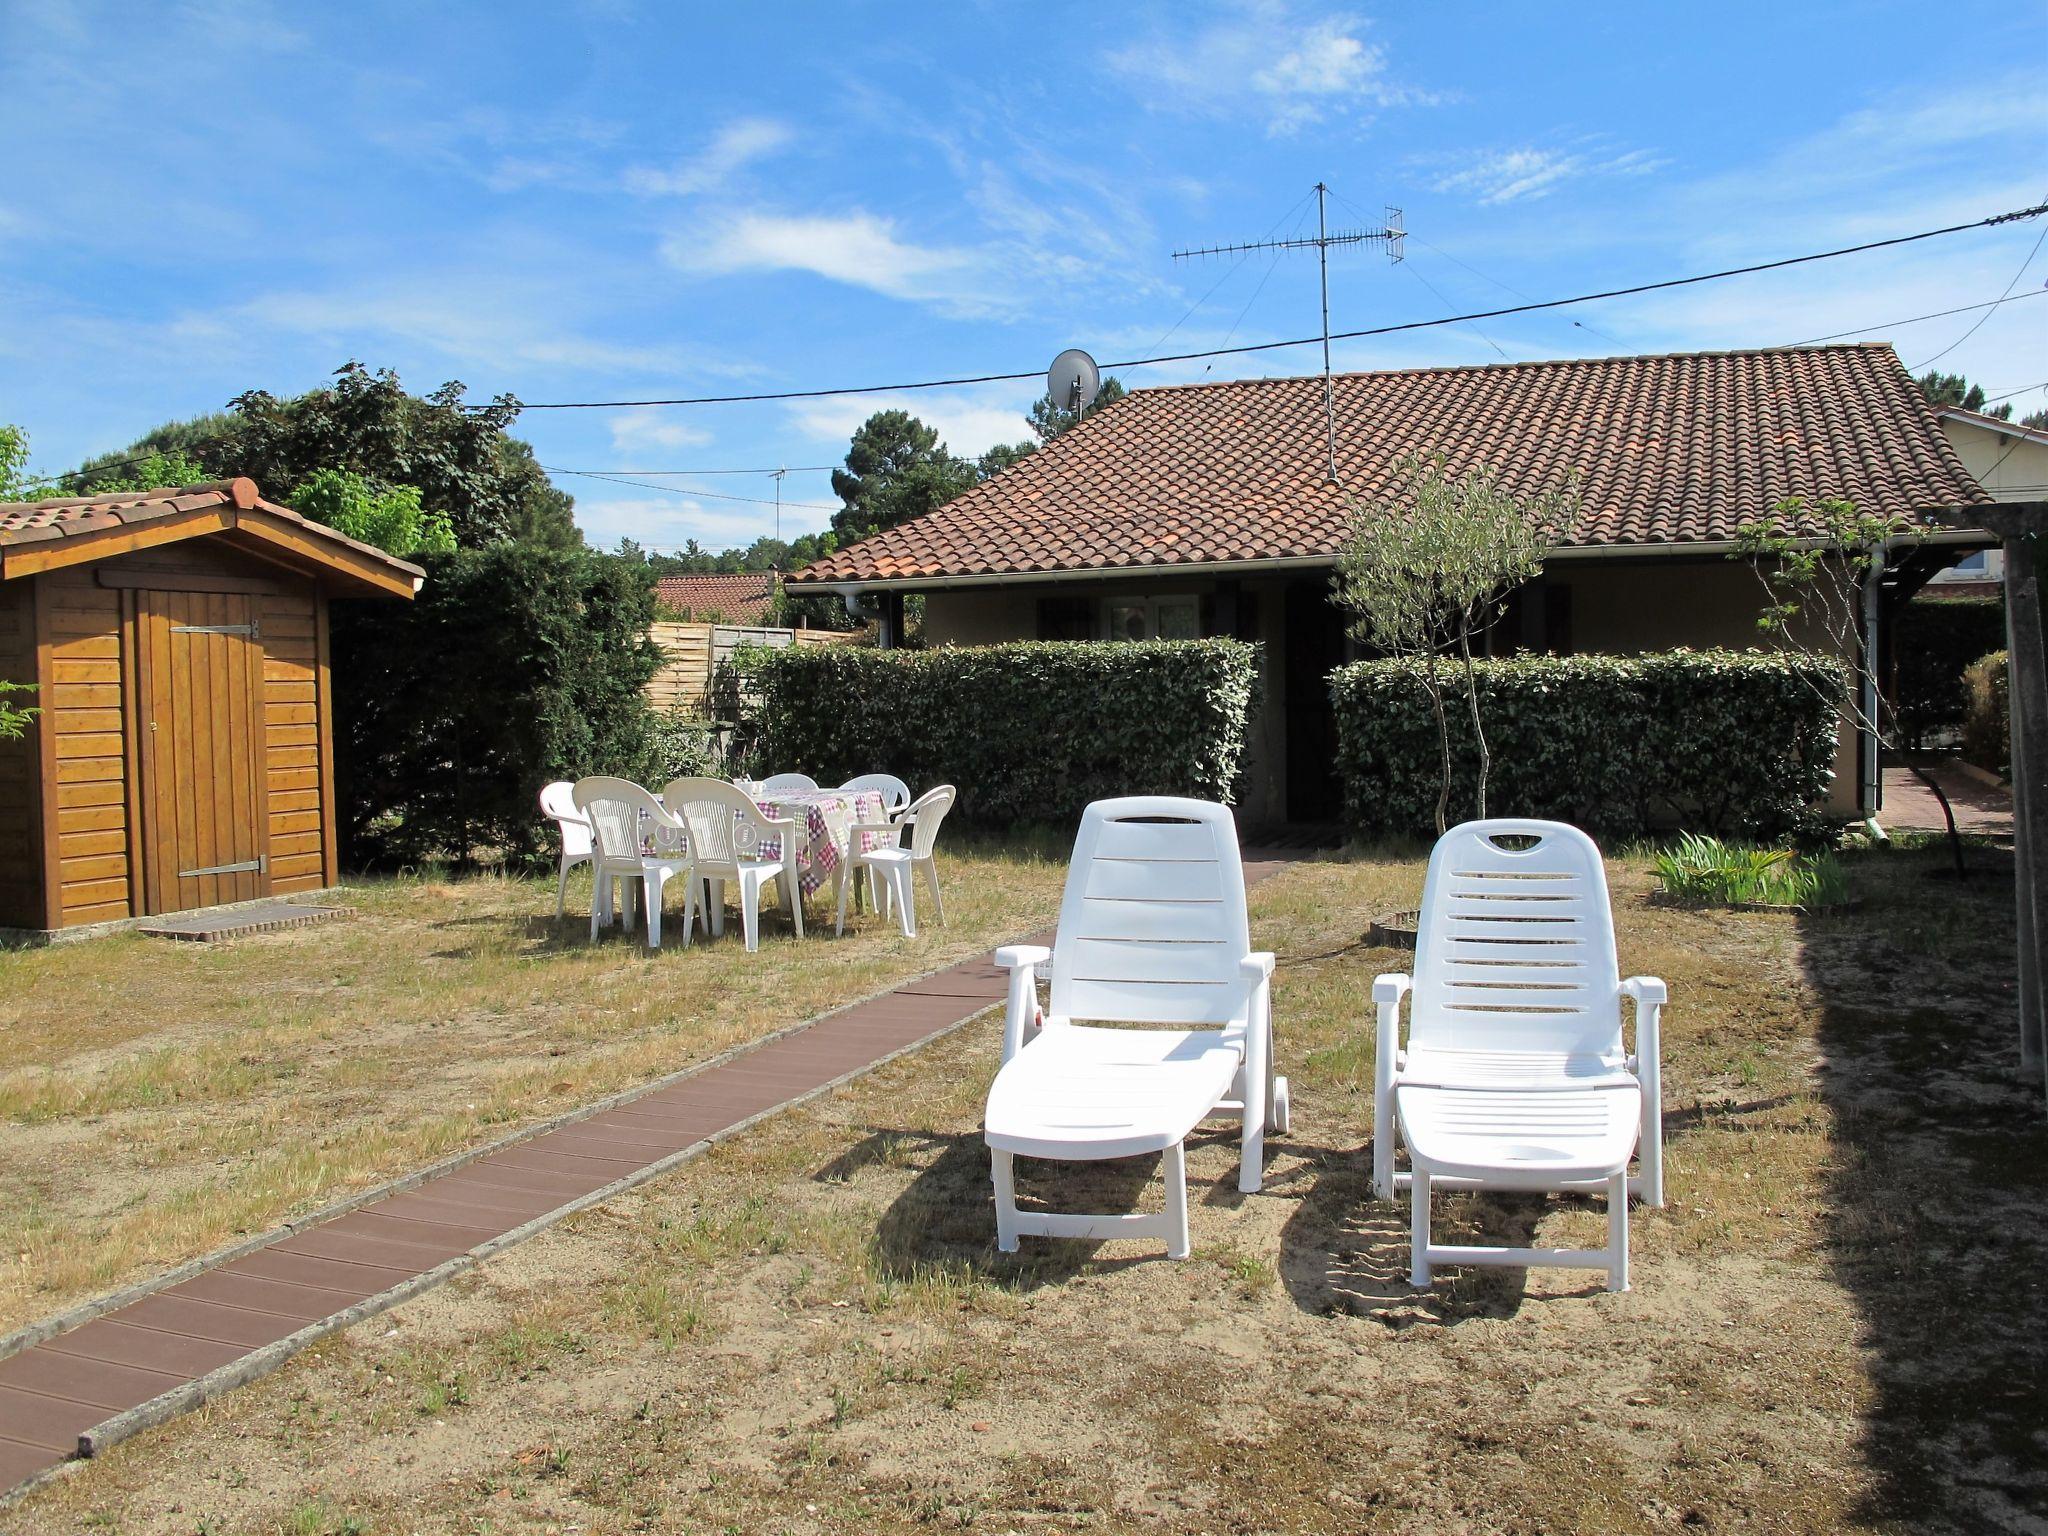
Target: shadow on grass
x,y
946,1219
1938,1193
1346,1251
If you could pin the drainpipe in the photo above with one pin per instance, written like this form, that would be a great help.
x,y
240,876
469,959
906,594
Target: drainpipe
x,y
1873,607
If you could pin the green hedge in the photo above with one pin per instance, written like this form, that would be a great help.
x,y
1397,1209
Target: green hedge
x,y
1987,727
1028,733
515,665
1933,640
1725,742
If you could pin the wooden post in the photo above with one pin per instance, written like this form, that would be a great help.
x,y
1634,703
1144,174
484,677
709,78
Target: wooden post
x,y
2023,528
2027,691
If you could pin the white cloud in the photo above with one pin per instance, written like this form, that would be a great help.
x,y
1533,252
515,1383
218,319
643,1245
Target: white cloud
x,y
1265,60
651,428
969,421
859,248
1512,175
735,146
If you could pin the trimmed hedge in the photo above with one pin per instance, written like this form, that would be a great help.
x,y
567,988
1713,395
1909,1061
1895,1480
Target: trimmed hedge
x,y
1028,732
515,665
1987,727
1933,641
1732,743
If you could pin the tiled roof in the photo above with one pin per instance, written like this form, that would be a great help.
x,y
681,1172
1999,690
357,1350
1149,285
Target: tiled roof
x,y
737,598
1668,450
27,522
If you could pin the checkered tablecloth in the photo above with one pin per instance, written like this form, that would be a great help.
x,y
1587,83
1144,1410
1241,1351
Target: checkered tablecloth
x,y
824,818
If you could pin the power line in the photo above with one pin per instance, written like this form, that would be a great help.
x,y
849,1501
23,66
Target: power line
x,y
690,491
1944,352
781,469
1309,341
1939,314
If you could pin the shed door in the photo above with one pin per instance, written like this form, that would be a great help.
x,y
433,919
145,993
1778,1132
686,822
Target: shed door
x,y
201,664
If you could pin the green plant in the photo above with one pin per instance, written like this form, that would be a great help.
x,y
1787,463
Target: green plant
x,y
1430,567
389,517
1029,732
515,665
1706,869
1987,723
1717,741
15,718
680,746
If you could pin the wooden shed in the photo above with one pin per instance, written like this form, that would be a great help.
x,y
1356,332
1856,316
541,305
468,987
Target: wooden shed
x,y
183,756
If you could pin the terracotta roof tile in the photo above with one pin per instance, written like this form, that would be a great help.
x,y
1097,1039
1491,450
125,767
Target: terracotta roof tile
x,y
735,597
1669,450
23,522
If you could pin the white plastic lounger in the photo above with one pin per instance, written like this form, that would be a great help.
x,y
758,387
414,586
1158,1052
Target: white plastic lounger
x,y
1152,931
1515,1075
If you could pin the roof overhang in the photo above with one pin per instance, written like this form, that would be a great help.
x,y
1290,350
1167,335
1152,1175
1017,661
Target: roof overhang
x,y
853,587
254,526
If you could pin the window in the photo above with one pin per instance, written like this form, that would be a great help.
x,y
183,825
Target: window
x,y
1155,618
1971,565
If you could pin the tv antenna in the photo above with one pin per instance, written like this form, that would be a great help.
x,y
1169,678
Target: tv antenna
x,y
1391,233
776,476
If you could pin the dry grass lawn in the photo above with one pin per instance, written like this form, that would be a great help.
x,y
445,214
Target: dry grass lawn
x,y
1837,1323
157,1099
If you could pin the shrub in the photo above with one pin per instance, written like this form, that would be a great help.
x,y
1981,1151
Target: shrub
x,y
516,664
1722,741
1987,727
1933,642
1705,869
1028,732
679,746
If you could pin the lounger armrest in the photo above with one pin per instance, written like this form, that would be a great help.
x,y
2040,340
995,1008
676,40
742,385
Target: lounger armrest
x,y
1649,994
1387,992
1256,967
1645,989
1022,962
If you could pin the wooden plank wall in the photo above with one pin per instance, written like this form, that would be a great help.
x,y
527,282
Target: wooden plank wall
x,y
294,741
693,652
81,624
21,843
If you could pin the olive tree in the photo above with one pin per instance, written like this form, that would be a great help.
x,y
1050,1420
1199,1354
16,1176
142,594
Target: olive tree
x,y
1427,570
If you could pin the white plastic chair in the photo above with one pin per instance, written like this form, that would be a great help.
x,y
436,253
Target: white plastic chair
x,y
1152,931
620,814
726,831
897,864
894,792
557,802
788,784
1515,1075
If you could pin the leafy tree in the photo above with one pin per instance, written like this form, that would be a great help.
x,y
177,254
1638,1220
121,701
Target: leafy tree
x,y
1953,389
389,517
16,484
1000,458
486,483
1430,568
14,718
1814,562
1049,420
896,469
174,440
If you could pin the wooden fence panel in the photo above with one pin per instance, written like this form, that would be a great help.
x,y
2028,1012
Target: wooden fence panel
x,y
692,653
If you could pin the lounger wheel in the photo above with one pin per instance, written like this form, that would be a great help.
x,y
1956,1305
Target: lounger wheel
x,y
1280,1116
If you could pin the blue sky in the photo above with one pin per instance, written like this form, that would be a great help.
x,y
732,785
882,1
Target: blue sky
x,y
628,200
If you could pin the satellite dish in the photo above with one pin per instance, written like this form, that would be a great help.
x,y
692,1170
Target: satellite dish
x,y
1073,381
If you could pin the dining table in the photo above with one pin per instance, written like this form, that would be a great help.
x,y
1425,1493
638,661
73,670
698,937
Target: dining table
x,y
825,819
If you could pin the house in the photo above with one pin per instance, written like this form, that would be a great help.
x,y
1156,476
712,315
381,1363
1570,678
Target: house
x,y
738,597
2011,462
1207,509
182,756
